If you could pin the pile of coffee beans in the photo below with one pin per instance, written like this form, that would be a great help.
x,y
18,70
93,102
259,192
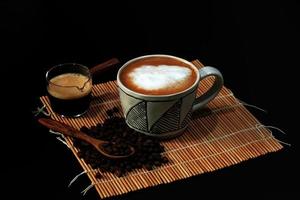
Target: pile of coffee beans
x,y
148,151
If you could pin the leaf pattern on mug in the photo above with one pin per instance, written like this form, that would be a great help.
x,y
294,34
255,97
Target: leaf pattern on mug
x,y
137,117
169,121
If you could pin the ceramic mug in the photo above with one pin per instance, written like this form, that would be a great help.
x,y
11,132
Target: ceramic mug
x,y
166,116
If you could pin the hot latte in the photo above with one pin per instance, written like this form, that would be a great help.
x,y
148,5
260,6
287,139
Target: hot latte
x,y
158,76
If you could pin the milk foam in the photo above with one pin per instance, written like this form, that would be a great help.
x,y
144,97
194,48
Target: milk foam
x,y
150,77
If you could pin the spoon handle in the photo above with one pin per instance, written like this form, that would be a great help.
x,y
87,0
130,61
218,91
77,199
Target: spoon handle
x,y
98,69
65,129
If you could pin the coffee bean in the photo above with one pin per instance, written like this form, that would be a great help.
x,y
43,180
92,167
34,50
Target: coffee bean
x,y
94,129
157,163
80,154
115,109
98,175
165,160
148,166
109,113
84,129
118,173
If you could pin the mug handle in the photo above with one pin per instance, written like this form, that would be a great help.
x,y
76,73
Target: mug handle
x,y
213,91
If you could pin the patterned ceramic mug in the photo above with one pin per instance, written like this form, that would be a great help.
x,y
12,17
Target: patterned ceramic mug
x,y
165,115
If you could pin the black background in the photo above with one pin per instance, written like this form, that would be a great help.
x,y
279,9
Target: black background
x,y
255,46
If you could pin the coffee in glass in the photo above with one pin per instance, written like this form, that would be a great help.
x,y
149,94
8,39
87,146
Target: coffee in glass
x,y
69,89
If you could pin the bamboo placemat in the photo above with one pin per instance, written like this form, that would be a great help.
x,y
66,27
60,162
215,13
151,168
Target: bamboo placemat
x,y
223,134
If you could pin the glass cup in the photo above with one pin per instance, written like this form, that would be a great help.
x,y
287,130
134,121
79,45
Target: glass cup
x,y
69,88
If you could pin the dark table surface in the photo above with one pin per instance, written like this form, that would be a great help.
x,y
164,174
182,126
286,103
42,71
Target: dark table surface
x,y
255,46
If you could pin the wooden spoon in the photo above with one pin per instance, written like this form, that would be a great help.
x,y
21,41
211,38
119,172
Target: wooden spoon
x,y
72,132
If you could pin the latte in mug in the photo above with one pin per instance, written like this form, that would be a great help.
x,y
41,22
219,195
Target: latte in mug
x,y
158,76
158,93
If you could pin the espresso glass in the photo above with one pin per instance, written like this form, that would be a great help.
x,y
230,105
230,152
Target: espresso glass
x,y
69,88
